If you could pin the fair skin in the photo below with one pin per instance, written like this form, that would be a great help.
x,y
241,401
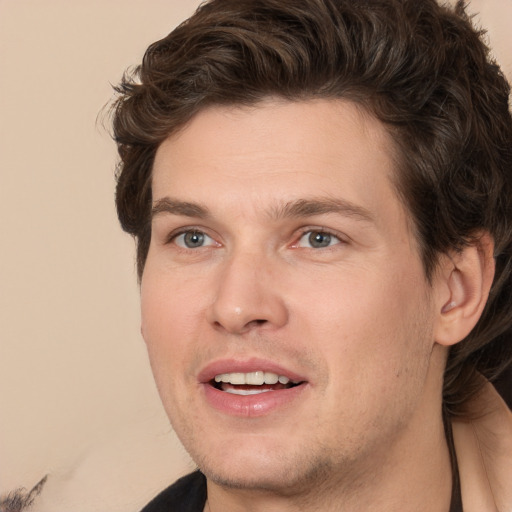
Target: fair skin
x,y
279,245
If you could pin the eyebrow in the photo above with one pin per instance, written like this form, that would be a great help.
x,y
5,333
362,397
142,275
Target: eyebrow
x,y
323,205
292,209
175,207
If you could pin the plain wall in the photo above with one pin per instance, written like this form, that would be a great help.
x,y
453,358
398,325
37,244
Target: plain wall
x,y
77,400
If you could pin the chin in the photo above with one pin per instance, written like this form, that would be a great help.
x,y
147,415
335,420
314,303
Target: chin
x,y
233,480
277,482
274,472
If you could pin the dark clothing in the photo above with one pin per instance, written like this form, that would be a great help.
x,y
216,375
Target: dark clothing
x,y
188,494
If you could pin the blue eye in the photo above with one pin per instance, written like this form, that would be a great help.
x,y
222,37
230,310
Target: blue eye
x,y
193,240
317,240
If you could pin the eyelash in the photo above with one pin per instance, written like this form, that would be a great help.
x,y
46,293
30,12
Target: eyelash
x,y
321,231
173,237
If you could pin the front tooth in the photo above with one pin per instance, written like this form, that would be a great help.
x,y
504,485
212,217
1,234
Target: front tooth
x,y
255,378
271,378
237,378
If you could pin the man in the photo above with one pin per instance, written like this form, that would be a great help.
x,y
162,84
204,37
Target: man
x,y
321,193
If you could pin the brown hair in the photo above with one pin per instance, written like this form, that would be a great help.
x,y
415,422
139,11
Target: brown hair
x,y
421,68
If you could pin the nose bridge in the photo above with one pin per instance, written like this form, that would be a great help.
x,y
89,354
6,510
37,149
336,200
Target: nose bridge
x,y
248,294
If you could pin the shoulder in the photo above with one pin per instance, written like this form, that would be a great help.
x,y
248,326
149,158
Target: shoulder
x,y
484,453
188,494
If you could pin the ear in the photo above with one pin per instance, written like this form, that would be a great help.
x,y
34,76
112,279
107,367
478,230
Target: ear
x,y
463,283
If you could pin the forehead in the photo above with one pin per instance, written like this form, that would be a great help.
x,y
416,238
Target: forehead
x,y
278,151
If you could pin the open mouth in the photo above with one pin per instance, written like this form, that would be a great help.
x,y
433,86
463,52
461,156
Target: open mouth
x,y
252,383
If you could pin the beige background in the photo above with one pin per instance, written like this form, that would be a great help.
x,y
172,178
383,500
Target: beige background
x,y
77,400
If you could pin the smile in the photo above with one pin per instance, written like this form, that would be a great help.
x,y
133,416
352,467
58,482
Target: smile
x,y
251,383
250,388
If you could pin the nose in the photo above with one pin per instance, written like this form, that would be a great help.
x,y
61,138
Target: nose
x,y
247,296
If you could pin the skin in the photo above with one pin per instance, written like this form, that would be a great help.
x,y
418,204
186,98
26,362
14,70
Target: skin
x,y
357,319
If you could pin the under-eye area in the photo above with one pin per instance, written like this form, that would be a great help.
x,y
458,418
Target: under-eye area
x,y
252,383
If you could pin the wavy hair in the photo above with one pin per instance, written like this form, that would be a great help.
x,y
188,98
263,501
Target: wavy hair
x,y
421,68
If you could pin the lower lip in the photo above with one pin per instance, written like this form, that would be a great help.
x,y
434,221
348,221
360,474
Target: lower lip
x,y
251,405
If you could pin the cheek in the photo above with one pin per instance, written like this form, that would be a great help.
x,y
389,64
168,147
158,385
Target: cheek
x,y
377,355
162,312
169,318
169,304
367,324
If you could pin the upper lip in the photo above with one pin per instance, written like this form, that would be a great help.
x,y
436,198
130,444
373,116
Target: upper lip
x,y
221,366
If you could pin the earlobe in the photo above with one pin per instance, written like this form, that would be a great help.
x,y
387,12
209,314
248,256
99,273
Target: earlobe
x,y
467,281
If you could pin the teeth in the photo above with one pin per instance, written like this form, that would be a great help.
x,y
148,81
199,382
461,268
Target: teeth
x,y
271,378
234,378
255,378
246,392
252,378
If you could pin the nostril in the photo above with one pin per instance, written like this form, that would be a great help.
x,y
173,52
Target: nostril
x,y
257,322
250,323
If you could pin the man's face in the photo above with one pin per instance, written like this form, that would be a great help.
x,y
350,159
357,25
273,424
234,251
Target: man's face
x,y
279,246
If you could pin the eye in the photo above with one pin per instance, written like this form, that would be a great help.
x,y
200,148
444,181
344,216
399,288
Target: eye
x,y
317,239
193,239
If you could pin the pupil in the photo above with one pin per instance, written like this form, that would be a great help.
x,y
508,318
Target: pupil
x,y
317,239
193,239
